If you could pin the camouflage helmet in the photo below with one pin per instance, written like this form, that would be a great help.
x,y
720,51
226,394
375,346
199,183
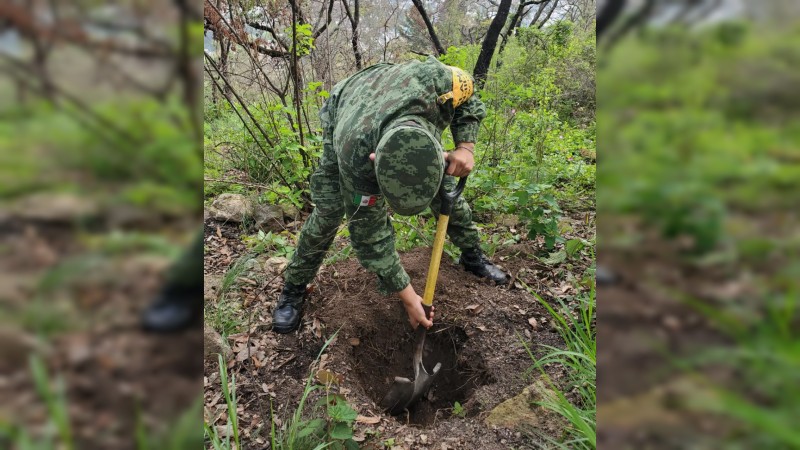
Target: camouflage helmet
x,y
409,166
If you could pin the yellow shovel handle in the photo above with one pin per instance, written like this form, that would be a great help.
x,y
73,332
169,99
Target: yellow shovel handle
x,y
436,258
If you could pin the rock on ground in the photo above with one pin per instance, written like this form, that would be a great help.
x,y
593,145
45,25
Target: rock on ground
x,y
214,344
231,208
521,412
55,207
237,208
212,284
268,216
275,264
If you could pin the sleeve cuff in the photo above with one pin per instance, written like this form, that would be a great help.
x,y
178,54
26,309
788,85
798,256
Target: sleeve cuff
x,y
466,133
394,281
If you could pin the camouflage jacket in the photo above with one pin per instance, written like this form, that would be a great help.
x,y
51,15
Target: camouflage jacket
x,y
355,116
361,107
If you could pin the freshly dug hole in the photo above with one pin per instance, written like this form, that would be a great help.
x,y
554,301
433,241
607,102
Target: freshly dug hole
x,y
383,356
480,350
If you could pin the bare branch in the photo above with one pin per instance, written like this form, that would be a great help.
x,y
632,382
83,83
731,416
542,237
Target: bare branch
x,y
437,45
324,26
542,23
354,19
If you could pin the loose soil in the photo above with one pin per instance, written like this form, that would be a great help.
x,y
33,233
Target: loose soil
x,y
478,337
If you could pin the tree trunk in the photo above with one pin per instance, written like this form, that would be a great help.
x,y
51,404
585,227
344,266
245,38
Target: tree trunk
x,y
489,44
607,15
538,14
434,38
516,21
224,49
185,69
633,21
295,74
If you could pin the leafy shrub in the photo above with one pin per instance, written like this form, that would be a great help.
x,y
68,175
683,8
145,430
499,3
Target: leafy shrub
x,y
275,244
540,212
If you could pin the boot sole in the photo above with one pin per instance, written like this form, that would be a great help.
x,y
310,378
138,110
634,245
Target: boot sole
x,y
483,277
284,329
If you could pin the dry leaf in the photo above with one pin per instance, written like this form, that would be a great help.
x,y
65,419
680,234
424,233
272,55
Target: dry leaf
x,y
534,323
219,232
368,420
316,328
327,377
214,400
475,309
481,327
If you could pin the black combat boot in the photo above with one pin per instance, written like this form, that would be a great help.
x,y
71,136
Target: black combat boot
x,y
286,316
474,261
174,309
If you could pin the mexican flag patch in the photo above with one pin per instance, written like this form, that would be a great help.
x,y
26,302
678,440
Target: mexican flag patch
x,y
365,200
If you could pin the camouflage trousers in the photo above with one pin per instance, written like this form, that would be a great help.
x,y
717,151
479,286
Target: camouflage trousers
x,y
333,196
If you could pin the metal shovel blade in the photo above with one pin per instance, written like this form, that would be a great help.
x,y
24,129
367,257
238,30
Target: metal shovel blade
x,y
404,392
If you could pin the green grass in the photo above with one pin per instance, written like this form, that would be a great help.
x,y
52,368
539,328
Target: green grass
x,y
229,393
59,434
226,315
765,398
327,425
579,358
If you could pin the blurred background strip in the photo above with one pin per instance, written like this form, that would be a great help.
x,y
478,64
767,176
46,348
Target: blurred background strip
x,y
100,191
699,187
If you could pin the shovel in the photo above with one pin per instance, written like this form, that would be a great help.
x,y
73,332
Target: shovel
x,y
404,392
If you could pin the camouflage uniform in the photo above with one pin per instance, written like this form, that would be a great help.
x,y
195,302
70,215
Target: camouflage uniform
x,y
355,117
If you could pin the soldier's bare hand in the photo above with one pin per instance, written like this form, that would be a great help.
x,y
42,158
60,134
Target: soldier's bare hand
x,y
413,305
461,162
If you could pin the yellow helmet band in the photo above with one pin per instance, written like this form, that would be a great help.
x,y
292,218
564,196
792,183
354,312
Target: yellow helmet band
x,y
462,88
